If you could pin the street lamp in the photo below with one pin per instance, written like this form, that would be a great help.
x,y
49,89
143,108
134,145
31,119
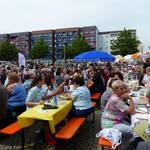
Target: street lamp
x,y
65,44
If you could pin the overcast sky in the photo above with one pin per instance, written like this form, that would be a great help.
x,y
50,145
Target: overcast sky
x,y
107,15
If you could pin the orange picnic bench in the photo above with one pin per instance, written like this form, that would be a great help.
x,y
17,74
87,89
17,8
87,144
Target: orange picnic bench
x,y
11,130
96,96
70,129
104,143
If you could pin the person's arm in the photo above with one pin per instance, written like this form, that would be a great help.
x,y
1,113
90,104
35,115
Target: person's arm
x,y
10,88
3,102
31,104
69,96
59,90
130,108
45,96
144,81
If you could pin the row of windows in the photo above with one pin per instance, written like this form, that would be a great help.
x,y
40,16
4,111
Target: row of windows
x,y
42,35
66,33
88,32
66,40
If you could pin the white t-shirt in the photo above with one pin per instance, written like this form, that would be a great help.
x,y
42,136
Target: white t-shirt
x,y
146,79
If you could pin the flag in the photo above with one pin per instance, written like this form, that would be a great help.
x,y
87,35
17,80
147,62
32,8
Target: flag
x,y
21,60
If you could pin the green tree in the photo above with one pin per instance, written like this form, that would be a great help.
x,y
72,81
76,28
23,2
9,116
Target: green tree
x,y
126,43
78,46
39,49
8,51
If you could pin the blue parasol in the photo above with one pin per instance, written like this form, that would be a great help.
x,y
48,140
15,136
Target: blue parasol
x,y
94,56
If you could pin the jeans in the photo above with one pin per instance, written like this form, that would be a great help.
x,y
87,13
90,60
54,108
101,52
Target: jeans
x,y
81,113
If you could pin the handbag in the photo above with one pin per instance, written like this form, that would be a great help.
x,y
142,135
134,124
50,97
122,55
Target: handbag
x,y
113,135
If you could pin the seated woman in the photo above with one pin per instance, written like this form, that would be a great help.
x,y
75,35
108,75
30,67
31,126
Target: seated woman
x,y
47,86
116,111
139,74
105,96
117,75
16,99
34,96
82,105
98,81
27,82
17,93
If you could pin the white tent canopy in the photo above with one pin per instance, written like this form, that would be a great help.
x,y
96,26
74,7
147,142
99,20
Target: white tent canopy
x,y
128,57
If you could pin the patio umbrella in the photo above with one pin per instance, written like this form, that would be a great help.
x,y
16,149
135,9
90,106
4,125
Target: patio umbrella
x,y
128,57
145,54
119,58
136,55
94,56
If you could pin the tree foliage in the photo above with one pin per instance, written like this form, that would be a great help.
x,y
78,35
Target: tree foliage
x,y
39,49
8,51
125,44
78,46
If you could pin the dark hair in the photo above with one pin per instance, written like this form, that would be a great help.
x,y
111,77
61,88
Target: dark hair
x,y
47,80
119,75
79,80
110,82
27,76
112,74
36,80
58,72
68,71
51,74
8,68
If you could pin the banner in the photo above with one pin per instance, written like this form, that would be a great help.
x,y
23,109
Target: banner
x,y
21,60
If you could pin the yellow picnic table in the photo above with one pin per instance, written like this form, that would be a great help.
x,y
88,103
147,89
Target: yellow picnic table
x,y
53,116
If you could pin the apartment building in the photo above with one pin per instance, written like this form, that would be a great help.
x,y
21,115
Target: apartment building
x,y
64,37
22,40
4,37
48,37
105,39
91,35
57,39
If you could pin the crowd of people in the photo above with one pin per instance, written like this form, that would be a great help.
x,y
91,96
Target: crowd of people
x,y
24,87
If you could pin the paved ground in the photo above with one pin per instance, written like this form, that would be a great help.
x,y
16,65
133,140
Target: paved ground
x,y
84,140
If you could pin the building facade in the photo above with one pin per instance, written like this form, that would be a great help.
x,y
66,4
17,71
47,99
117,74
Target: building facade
x,y
4,37
105,39
57,39
48,37
64,37
22,41
91,35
